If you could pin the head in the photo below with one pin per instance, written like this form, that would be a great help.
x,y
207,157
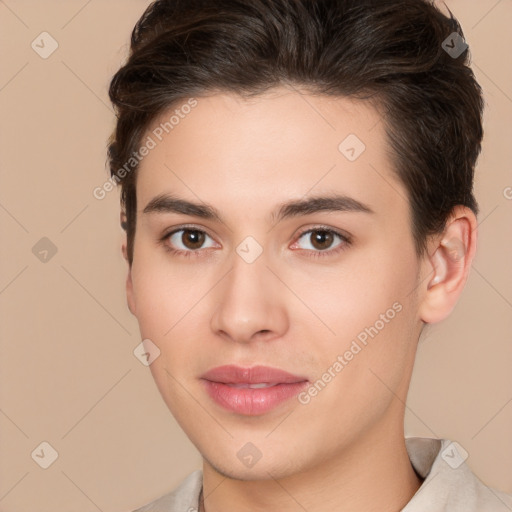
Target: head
x,y
329,147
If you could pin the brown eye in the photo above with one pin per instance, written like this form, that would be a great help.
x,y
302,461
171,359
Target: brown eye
x,y
321,240
192,239
187,240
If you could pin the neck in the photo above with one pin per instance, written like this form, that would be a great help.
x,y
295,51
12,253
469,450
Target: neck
x,y
373,474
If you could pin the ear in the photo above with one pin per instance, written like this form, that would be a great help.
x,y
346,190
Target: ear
x,y
130,299
129,284
449,262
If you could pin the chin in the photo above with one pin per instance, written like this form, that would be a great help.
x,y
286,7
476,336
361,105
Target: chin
x,y
243,461
260,471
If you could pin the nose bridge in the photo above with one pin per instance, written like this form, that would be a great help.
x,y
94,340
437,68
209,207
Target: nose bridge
x,y
248,301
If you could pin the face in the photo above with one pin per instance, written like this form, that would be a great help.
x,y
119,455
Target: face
x,y
323,292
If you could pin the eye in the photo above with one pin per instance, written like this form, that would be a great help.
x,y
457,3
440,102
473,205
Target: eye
x,y
186,240
320,241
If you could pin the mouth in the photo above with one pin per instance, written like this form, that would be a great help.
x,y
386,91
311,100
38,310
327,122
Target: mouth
x,y
246,385
251,391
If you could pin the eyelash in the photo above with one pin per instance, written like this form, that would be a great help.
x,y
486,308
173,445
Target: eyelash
x,y
346,242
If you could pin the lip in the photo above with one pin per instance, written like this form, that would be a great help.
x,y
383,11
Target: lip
x,y
229,387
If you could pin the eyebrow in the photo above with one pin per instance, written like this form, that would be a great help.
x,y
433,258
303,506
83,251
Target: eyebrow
x,y
167,203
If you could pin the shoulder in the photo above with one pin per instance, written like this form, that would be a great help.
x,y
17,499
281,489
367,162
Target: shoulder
x,y
185,498
449,482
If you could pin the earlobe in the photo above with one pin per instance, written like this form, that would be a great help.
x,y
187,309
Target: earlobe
x,y
450,262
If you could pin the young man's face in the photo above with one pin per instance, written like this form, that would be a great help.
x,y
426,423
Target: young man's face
x,y
259,290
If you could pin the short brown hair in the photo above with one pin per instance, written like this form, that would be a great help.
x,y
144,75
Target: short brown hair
x,y
388,51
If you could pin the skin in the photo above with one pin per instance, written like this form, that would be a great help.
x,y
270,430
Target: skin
x,y
344,449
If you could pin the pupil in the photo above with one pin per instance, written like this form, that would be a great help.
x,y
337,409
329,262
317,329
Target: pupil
x,y
321,237
194,239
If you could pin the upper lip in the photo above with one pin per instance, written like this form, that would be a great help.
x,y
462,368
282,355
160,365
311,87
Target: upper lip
x,y
231,374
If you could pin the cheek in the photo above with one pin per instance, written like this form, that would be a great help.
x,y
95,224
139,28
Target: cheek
x,y
370,313
361,370
354,295
170,306
161,293
164,306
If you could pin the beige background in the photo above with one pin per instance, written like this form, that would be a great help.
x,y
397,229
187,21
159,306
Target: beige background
x,y
68,373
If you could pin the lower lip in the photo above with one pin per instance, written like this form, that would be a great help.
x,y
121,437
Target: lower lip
x,y
251,401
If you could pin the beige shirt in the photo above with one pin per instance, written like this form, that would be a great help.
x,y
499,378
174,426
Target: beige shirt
x,y
449,485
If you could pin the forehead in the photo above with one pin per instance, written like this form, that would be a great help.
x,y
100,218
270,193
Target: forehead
x,y
253,153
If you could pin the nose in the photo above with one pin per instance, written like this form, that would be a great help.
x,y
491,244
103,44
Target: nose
x,y
250,303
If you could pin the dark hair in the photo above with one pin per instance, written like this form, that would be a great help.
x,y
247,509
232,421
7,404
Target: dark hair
x,y
393,52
